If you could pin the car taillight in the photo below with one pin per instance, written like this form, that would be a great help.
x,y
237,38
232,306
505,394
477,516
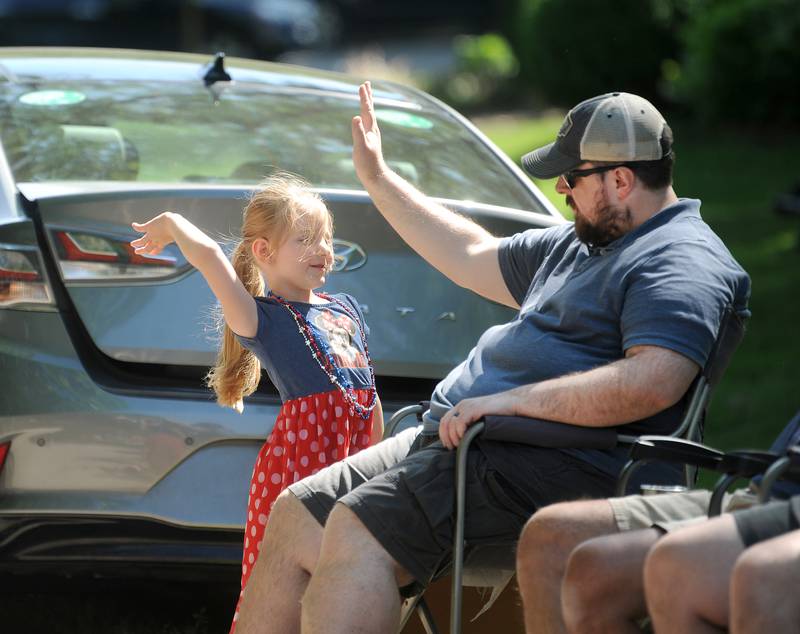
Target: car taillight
x,y
91,257
3,453
23,283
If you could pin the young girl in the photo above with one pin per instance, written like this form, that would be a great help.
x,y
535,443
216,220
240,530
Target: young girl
x,y
313,345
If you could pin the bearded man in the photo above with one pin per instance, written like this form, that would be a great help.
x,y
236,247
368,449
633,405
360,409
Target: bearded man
x,y
617,314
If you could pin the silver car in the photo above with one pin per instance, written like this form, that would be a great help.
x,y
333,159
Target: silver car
x,y
114,456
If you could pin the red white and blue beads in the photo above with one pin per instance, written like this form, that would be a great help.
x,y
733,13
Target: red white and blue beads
x,y
324,357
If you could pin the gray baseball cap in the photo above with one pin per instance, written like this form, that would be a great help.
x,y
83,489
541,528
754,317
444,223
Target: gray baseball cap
x,y
617,127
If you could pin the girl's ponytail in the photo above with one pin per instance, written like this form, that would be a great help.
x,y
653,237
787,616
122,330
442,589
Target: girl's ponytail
x,y
273,209
237,370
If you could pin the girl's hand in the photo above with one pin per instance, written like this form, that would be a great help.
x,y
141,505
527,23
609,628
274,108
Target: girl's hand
x,y
157,234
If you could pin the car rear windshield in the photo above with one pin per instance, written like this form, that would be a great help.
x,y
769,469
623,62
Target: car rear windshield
x,y
178,132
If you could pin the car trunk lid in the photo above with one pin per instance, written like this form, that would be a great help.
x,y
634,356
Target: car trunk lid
x,y
161,312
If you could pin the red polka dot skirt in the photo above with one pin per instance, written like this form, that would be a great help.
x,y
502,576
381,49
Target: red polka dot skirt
x,y
310,433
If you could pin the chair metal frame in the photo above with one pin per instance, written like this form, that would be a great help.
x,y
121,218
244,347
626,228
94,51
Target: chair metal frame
x,y
733,465
554,434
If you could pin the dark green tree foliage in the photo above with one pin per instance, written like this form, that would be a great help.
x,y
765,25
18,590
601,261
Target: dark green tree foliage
x,y
570,50
741,62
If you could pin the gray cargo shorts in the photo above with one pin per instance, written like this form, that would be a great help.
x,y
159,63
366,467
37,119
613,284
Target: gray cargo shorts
x,y
404,495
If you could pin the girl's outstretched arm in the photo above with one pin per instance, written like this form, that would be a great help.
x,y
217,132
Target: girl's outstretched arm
x,y
206,256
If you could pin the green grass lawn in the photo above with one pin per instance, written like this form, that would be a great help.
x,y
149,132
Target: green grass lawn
x,y
737,176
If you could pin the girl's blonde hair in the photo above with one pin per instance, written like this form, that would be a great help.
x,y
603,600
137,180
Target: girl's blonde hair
x,y
274,208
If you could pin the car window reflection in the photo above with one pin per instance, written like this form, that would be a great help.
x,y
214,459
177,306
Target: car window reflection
x,y
176,132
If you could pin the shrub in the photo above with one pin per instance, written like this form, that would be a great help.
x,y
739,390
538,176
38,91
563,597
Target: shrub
x,y
570,50
484,76
741,62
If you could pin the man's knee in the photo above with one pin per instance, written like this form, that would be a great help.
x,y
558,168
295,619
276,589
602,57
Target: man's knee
x,y
540,533
289,514
757,577
587,589
345,531
347,541
587,566
667,561
596,571
554,531
292,531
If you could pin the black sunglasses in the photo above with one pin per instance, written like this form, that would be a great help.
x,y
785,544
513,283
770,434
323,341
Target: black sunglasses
x,y
573,175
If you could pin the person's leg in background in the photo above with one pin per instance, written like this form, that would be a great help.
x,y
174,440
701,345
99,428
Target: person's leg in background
x,y
603,589
687,574
763,577
542,553
556,530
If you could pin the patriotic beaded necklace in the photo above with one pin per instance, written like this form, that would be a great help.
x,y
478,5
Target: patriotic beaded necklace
x,y
326,360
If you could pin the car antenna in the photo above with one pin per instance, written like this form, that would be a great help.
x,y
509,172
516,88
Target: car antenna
x,y
214,72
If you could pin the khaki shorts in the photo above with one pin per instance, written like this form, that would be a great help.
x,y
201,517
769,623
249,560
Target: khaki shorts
x,y
670,511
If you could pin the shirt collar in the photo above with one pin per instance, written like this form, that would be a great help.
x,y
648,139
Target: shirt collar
x,y
689,207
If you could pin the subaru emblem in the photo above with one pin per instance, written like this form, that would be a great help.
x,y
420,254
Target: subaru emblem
x,y
347,256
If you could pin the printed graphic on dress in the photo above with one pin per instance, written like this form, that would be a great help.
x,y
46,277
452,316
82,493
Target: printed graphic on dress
x,y
341,333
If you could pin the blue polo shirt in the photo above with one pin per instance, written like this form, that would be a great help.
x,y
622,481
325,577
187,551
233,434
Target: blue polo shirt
x,y
666,283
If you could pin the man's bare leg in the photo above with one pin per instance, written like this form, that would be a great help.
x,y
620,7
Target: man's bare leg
x,y
289,551
687,575
354,588
762,577
603,589
544,548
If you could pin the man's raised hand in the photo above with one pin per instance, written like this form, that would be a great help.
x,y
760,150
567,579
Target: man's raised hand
x,y
367,151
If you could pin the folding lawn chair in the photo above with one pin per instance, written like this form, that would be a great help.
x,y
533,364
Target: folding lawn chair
x,y
780,462
493,565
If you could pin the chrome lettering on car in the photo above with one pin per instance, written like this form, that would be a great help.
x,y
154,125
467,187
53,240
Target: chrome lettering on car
x,y
347,256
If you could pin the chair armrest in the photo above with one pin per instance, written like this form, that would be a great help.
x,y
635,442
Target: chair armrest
x,y
417,410
787,467
747,463
793,472
744,463
546,433
676,450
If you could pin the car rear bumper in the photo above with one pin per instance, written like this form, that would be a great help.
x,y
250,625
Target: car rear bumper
x,y
120,548
78,448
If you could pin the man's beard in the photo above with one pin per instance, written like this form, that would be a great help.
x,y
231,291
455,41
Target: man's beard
x,y
613,222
